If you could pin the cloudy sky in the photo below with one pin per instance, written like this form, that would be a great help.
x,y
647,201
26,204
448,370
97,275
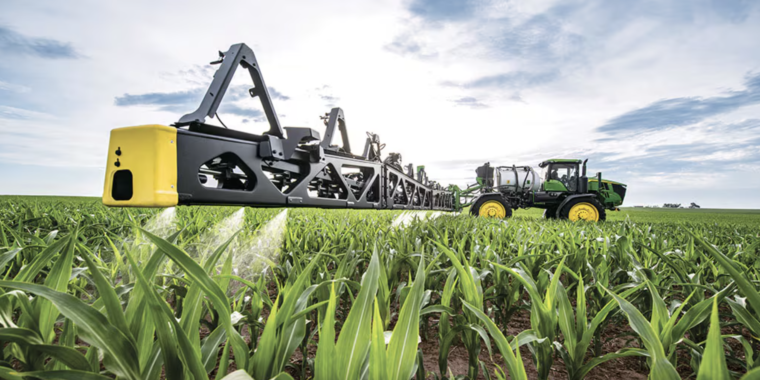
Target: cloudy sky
x,y
661,95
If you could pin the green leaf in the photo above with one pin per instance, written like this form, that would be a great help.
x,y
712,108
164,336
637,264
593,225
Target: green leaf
x,y
20,335
696,314
224,362
402,349
749,290
65,375
525,337
29,272
467,283
354,340
514,363
567,322
745,317
65,355
586,368
109,297
192,303
752,375
437,309
142,328
119,353
210,348
325,356
211,289
154,365
8,256
10,374
169,338
713,365
58,280
378,364
661,368
660,315
283,335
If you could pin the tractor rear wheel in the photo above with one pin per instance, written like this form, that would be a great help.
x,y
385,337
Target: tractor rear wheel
x,y
583,209
492,206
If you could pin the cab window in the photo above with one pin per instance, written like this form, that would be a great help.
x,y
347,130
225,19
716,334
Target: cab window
x,y
565,173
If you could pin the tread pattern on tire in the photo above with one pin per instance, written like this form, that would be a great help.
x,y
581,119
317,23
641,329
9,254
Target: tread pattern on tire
x,y
474,210
564,214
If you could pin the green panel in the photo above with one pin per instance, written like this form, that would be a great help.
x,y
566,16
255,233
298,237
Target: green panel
x,y
607,196
593,179
610,198
564,160
554,185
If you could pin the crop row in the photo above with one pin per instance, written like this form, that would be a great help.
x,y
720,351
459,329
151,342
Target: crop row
x,y
209,292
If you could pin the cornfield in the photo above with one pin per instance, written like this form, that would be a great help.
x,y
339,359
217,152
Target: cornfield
x,y
228,293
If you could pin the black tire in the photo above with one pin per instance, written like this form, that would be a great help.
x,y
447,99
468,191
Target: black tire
x,y
565,212
550,213
475,208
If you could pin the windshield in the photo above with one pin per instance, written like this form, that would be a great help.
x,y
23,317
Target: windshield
x,y
565,173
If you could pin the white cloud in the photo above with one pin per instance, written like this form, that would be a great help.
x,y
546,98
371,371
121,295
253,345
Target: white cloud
x,y
7,112
10,87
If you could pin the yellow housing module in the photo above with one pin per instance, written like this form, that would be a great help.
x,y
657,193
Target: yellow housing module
x,y
142,167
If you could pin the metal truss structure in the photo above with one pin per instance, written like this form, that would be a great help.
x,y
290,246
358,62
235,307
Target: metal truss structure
x,y
289,166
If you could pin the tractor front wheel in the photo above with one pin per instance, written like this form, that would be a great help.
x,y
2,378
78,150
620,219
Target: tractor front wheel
x,y
491,207
583,209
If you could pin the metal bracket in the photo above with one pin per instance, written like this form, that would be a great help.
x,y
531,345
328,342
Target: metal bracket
x,y
336,117
238,54
271,148
372,147
296,135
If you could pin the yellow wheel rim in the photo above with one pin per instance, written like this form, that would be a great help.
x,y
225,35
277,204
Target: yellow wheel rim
x,y
584,211
492,209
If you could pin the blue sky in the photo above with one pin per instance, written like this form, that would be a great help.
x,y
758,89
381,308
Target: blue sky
x,y
662,95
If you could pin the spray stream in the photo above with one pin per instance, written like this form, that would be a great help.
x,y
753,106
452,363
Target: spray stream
x,y
212,238
161,225
407,217
254,255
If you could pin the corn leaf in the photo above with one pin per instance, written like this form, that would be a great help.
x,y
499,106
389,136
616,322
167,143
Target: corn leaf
x,y
120,356
514,363
661,368
713,365
402,349
378,365
354,340
211,289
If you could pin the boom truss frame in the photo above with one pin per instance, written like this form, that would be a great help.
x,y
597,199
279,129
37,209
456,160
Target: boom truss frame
x,y
290,166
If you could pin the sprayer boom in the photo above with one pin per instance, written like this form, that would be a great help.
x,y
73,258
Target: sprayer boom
x,y
194,162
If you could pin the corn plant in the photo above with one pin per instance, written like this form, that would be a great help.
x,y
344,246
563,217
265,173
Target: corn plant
x,y
543,317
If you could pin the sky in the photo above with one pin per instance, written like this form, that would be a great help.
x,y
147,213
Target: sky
x,y
661,95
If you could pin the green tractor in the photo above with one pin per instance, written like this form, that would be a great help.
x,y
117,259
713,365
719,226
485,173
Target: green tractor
x,y
560,187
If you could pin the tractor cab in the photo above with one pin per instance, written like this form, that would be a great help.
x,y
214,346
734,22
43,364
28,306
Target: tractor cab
x,y
569,176
562,175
